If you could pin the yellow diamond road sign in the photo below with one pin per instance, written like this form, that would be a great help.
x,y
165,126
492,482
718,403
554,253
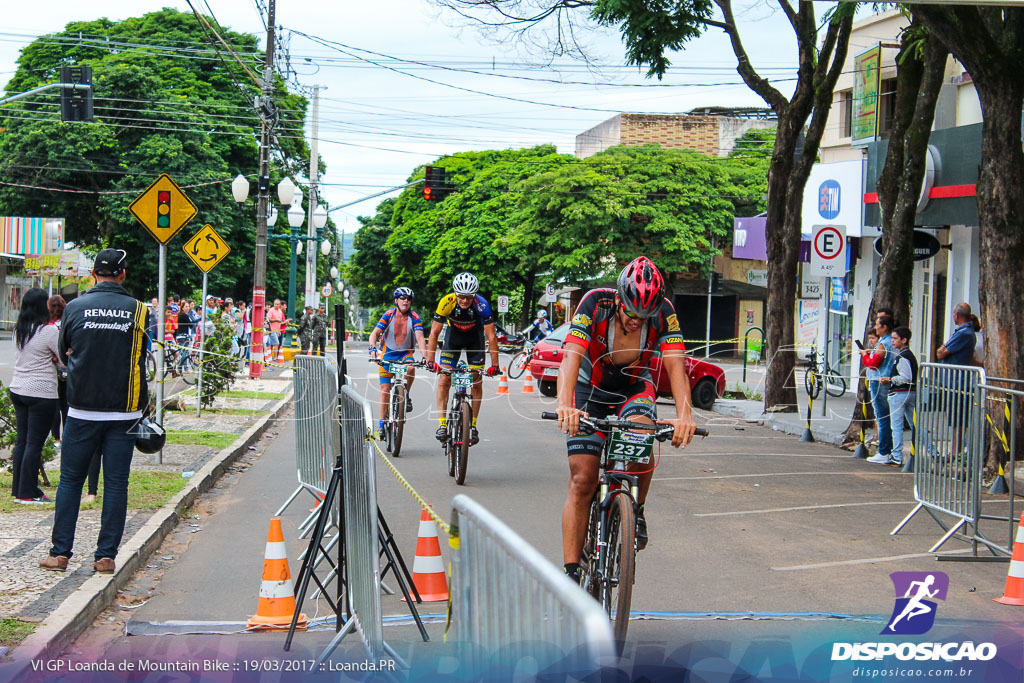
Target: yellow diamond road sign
x,y
163,209
206,248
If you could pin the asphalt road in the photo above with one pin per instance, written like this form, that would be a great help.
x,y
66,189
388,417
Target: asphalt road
x,y
795,536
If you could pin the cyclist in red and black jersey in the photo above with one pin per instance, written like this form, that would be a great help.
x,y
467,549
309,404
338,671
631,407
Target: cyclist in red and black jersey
x,y
605,372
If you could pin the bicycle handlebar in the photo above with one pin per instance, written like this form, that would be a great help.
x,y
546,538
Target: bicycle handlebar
x,y
382,363
593,424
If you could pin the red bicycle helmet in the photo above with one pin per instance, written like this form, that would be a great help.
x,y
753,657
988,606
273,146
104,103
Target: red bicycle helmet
x,y
641,287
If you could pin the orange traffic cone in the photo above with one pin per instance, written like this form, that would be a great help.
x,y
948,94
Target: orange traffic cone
x,y
276,605
1014,592
502,383
427,566
527,384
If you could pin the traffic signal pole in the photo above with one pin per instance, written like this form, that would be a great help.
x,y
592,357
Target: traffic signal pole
x,y
259,277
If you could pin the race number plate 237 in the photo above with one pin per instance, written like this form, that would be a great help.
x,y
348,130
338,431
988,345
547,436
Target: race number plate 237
x,y
631,447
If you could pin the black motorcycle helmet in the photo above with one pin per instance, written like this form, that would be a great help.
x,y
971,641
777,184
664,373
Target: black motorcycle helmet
x,y
150,437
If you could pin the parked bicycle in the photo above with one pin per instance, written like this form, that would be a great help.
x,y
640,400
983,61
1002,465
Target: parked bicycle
x,y
521,361
608,560
180,360
460,421
820,374
394,422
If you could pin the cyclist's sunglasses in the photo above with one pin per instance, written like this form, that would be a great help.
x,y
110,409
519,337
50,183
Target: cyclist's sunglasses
x,y
630,314
403,298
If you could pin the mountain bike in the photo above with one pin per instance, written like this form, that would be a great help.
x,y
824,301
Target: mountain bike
x,y
394,422
820,374
608,560
181,359
521,361
460,421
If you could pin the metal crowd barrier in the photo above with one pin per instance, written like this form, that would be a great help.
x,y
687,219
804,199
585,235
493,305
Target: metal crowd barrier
x,y
507,598
362,550
949,449
316,432
999,397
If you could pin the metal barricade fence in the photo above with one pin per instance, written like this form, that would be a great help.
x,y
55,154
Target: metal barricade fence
x,y
948,448
359,519
317,442
507,598
999,399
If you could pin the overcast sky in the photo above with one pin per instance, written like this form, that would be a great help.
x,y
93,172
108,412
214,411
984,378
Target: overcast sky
x,y
377,124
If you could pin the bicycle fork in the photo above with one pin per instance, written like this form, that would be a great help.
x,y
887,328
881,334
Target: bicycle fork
x,y
624,485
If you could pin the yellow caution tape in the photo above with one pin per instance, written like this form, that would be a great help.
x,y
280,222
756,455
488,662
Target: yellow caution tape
x,y
445,527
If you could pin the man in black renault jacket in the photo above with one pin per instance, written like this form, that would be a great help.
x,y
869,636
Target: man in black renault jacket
x,y
103,341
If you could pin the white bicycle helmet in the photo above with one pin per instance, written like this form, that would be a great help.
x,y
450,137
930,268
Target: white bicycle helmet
x,y
465,283
542,313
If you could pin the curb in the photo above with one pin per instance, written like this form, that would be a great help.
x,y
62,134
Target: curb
x,y
767,420
82,607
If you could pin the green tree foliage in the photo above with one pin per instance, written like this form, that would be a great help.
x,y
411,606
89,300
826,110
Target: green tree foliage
x,y
517,214
165,101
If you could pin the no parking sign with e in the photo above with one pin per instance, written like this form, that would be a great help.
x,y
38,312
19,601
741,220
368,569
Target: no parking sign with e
x,y
828,251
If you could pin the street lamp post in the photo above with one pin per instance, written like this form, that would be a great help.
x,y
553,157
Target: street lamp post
x,y
296,216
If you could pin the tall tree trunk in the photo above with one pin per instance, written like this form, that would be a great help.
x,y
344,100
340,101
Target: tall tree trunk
x,y
1001,217
899,187
529,294
989,42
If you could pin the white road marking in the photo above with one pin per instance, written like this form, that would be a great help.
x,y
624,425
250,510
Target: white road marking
x,y
867,560
747,476
802,507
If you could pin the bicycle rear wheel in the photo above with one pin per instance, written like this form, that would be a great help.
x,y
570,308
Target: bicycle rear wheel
x,y
518,365
397,418
462,444
150,367
835,385
620,564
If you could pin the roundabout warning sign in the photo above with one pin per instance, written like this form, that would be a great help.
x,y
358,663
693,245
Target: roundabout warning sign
x,y
828,251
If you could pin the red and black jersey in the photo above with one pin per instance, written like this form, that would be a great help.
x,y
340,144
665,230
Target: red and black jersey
x,y
593,327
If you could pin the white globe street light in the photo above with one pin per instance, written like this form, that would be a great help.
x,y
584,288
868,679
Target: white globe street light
x,y
334,272
325,247
272,215
319,217
240,188
296,215
285,191
298,247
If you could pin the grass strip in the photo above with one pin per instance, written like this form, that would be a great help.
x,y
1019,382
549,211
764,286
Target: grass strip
x,y
146,490
216,440
268,395
13,631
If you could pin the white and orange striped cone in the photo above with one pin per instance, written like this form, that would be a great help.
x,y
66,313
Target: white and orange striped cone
x,y
1014,592
502,383
527,384
276,605
428,567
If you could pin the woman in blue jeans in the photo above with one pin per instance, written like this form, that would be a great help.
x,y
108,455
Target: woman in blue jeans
x,y
902,383
881,359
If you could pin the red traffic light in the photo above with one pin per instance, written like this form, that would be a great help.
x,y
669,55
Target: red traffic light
x,y
426,193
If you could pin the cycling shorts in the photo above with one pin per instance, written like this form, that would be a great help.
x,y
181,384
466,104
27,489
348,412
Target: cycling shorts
x,y
394,357
456,340
635,399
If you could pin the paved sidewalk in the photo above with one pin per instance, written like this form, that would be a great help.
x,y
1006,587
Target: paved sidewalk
x,y
31,594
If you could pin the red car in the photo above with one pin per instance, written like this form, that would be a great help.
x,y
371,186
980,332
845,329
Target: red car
x,y
707,380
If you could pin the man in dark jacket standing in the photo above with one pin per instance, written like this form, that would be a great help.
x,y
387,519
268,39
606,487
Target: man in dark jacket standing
x,y
103,343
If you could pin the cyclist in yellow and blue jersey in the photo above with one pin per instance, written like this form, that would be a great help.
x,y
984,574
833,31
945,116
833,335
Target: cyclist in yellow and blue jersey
x,y
469,318
399,327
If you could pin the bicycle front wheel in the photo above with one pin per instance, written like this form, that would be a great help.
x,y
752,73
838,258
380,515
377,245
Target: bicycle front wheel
x,y
620,564
812,384
397,418
518,365
462,446
187,364
449,444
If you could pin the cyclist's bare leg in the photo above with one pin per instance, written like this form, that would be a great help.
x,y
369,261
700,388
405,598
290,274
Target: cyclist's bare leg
x,y
643,480
385,389
410,375
583,472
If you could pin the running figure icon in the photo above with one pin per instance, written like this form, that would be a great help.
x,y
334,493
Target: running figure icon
x,y
916,605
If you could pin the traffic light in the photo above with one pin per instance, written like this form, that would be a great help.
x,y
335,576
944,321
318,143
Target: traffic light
x,y
163,209
76,105
434,188
716,282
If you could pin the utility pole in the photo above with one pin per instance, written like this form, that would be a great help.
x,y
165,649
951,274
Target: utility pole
x,y
312,247
259,277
